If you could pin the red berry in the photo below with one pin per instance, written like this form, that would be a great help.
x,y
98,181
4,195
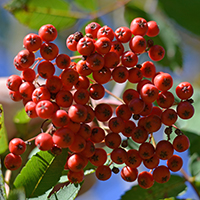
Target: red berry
x,y
184,90
47,32
44,141
12,161
32,42
17,146
156,53
153,29
139,26
145,180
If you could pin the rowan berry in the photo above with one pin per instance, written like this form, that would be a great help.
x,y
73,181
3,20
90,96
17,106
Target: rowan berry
x,y
105,31
41,93
63,61
64,98
153,29
103,172
28,75
44,141
129,174
112,140
25,59
152,162
129,127
97,134
184,90
15,95
136,105
103,45
77,113
138,44
145,180
49,51
17,146
147,109
99,157
81,96
185,110
135,75
85,46
44,109
97,91
175,163
76,162
146,150
117,48
32,42
46,69
90,114
123,111
30,109
26,89
129,59
181,143
169,117
111,60
161,174
13,82
47,32
83,83
89,149
164,150
12,161
165,99
82,68
129,95
156,53
139,134
148,69
75,177
116,124
152,123
71,43
133,158
102,76
139,26
120,74
163,81
123,34
118,155
60,118
63,137
92,28
54,84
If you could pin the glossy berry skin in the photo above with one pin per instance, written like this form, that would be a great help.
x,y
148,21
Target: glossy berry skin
x,y
44,141
60,118
99,157
63,137
123,34
129,174
49,51
105,31
103,45
44,109
92,28
32,42
145,180
146,150
161,174
17,146
47,32
175,163
185,110
103,172
71,43
13,82
156,53
181,143
30,109
129,59
184,90
153,29
76,162
138,44
46,69
85,46
148,69
75,177
12,161
63,61
139,26
28,75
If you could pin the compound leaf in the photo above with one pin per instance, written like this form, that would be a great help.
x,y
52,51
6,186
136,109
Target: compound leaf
x,y
3,133
35,13
172,188
41,173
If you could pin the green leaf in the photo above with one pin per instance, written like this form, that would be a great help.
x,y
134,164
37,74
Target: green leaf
x,y
168,37
2,187
41,173
3,133
91,5
69,192
184,12
35,13
194,165
172,188
17,194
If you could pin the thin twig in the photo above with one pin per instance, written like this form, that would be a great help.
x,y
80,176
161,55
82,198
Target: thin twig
x,y
190,180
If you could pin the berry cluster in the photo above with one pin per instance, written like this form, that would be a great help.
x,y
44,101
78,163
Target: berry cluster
x,y
80,124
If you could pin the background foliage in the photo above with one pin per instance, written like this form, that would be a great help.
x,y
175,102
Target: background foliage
x,y
179,25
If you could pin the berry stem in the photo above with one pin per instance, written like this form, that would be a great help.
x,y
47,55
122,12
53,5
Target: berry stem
x,y
110,93
190,180
76,57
